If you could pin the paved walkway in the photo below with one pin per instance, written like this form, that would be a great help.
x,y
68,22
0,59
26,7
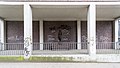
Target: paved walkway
x,y
59,65
59,52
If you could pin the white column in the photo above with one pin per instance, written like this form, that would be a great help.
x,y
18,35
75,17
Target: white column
x,y
116,31
91,29
41,34
79,34
27,30
1,34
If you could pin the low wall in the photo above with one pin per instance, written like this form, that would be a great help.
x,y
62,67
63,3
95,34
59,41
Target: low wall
x,y
87,58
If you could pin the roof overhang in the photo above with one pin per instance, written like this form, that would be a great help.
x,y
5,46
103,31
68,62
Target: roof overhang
x,y
59,10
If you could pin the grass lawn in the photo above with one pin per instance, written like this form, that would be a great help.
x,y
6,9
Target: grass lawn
x,y
11,58
35,59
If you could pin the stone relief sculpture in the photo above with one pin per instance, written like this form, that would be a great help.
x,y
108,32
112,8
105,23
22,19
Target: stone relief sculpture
x,y
51,36
15,38
62,33
98,39
59,35
84,38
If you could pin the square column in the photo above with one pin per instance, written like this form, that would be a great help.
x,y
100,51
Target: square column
x,y
116,32
91,29
27,30
2,34
79,34
41,34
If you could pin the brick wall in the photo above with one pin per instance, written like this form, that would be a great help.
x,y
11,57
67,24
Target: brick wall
x,y
104,33
15,33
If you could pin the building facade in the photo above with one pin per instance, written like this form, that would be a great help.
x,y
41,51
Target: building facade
x,y
88,26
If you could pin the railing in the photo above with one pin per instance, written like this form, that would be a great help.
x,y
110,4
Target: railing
x,y
60,45
36,46
105,45
84,45
60,48
12,49
48,48
108,47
